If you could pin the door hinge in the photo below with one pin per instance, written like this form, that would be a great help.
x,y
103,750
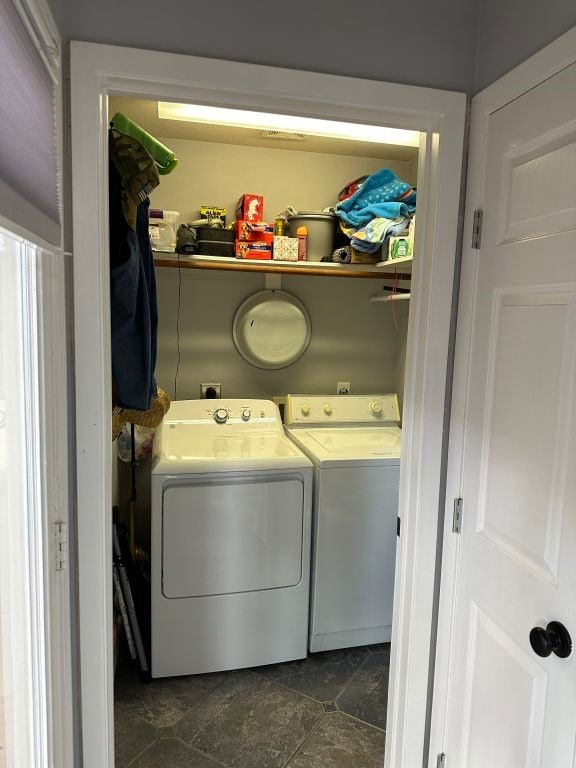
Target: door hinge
x,y
457,516
477,228
61,537
398,526
441,760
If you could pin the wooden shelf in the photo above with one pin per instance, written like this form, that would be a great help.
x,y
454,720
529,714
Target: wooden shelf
x,y
320,268
391,265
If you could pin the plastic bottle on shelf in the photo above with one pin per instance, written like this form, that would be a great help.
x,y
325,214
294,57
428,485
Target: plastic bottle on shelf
x,y
302,235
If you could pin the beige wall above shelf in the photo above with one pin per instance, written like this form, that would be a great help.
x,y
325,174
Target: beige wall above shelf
x,y
321,268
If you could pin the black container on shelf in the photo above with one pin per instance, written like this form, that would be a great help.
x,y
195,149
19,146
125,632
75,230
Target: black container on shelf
x,y
214,234
215,248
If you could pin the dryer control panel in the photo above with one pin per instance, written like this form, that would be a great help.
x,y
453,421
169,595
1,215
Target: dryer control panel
x,y
222,414
341,409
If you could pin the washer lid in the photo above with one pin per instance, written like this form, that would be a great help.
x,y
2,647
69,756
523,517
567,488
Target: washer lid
x,y
271,329
352,446
364,442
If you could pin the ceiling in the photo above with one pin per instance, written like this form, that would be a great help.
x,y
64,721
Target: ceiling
x,y
145,113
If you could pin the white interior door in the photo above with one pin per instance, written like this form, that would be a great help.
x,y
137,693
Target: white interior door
x,y
35,642
507,706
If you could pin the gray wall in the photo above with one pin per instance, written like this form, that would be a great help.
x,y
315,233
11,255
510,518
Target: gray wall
x,y
352,339
509,31
424,43
460,45
57,11
210,173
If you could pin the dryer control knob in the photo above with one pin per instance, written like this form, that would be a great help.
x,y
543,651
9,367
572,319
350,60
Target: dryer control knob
x,y
221,416
327,409
246,413
376,407
305,410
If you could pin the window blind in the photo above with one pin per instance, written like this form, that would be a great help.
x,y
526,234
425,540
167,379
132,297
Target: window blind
x,y
29,157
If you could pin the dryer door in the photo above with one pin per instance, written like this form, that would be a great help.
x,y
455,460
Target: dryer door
x,y
227,535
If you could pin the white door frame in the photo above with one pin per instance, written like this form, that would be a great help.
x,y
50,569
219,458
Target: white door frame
x,y
538,68
54,332
99,70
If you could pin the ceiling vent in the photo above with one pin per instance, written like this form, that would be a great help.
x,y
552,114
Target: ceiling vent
x,y
283,135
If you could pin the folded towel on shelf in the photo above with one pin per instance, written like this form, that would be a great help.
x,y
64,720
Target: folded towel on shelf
x,y
382,195
370,237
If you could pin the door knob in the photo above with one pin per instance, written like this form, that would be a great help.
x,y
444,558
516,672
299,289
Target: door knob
x,y
554,639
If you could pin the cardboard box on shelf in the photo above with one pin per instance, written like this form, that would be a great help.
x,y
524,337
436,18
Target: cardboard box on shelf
x,y
250,207
213,212
360,257
256,250
401,247
254,230
285,248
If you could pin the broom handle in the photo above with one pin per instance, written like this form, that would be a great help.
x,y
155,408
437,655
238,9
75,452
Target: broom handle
x,y
133,465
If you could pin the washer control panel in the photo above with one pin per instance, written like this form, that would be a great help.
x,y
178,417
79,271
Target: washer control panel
x,y
343,409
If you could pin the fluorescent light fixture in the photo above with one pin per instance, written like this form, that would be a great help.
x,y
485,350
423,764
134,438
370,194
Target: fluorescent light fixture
x,y
240,118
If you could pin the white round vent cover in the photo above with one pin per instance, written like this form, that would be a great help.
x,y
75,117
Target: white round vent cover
x,y
271,329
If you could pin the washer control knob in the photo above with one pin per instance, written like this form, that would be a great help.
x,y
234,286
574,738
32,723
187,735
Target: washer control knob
x,y
327,409
221,416
246,413
305,410
375,407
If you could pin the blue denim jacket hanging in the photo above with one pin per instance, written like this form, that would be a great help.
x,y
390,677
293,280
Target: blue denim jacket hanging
x,y
134,313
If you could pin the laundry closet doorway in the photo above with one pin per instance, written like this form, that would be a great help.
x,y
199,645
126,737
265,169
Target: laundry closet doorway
x,y
100,71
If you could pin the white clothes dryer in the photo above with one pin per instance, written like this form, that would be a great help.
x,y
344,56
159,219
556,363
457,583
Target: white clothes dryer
x,y
354,443
230,554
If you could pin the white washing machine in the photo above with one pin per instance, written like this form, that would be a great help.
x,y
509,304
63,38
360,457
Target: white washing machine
x,y
354,443
231,520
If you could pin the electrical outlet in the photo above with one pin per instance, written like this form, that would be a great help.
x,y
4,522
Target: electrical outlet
x,y
210,391
343,388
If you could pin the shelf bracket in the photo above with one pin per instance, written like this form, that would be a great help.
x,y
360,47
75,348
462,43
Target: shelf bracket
x,y
272,282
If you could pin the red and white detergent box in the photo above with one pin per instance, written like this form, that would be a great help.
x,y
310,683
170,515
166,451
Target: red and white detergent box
x,y
250,207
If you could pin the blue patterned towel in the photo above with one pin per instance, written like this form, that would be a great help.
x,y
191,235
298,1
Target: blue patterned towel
x,y
382,195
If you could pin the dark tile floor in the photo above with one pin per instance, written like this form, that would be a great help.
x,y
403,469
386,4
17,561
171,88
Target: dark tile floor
x,y
326,711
